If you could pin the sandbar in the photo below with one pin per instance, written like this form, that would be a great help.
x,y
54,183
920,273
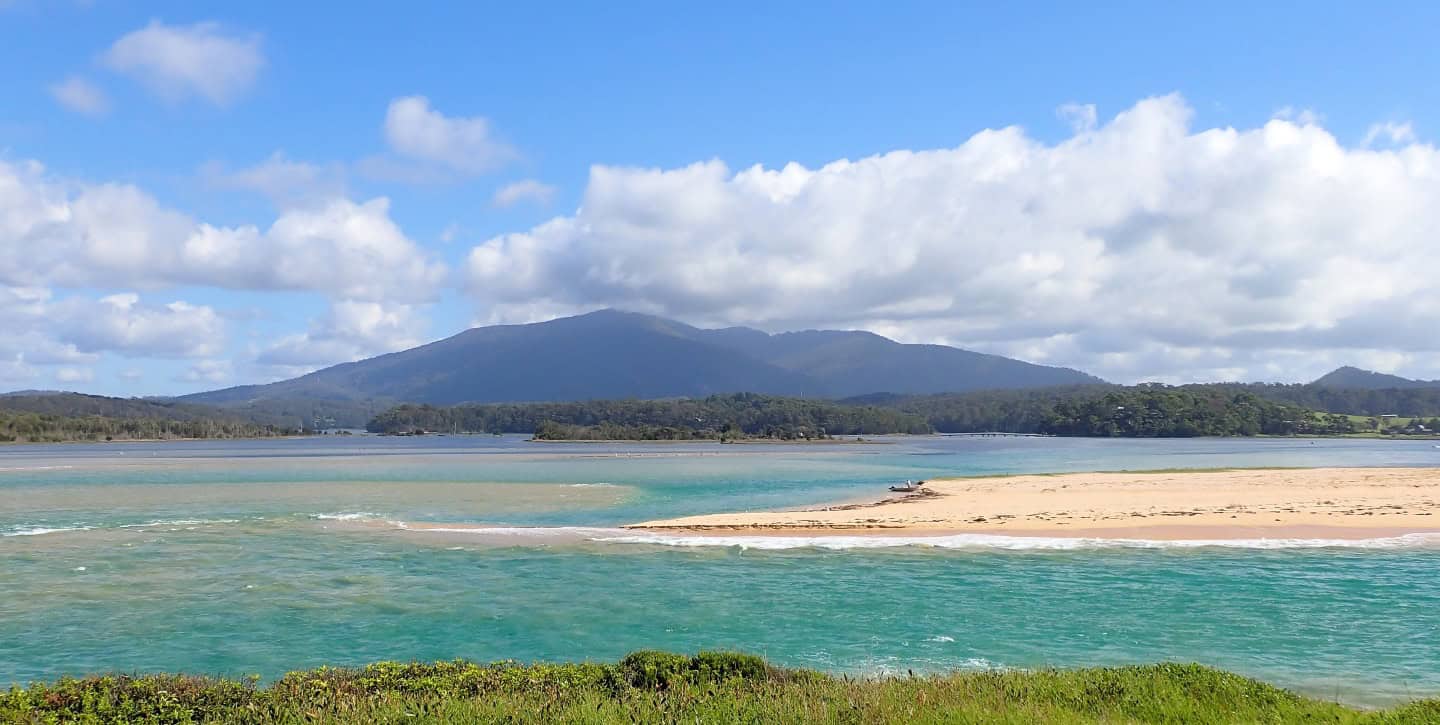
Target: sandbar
x,y
1342,503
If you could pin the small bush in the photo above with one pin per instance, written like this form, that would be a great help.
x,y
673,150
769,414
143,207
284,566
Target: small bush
x,y
721,666
653,670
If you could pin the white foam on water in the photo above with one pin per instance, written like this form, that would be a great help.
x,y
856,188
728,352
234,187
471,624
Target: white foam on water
x,y
1010,543
35,468
348,516
940,638
179,522
592,485
578,533
42,530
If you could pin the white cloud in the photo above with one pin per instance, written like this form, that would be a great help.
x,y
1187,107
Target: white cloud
x,y
74,375
75,331
1080,116
1299,116
180,61
58,233
1391,132
351,330
286,182
120,323
80,96
416,131
14,369
529,190
213,372
1139,248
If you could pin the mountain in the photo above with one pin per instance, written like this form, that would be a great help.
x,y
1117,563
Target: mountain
x,y
851,363
1351,377
613,355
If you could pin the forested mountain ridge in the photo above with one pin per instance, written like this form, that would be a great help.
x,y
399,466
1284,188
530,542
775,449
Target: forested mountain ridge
x,y
1353,377
618,355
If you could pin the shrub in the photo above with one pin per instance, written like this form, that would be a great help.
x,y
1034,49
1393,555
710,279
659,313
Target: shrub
x,y
653,670
721,666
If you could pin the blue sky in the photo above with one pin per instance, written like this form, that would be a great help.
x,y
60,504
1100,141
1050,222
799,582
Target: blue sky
x,y
238,116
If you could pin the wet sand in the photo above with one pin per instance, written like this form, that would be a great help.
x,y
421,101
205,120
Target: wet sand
x,y
1340,503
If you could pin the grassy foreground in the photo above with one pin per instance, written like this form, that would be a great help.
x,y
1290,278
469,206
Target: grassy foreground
x,y
711,687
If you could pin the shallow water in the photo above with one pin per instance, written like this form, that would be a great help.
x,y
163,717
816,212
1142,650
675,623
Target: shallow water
x,y
264,556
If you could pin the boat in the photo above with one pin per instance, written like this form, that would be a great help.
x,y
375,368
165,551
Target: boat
x,y
909,487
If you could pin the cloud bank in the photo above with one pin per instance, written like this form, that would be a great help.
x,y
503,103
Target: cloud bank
x,y
1138,248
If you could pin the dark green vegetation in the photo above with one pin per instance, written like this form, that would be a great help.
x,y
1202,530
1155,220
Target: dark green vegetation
x,y
60,417
615,355
735,416
1145,411
657,687
1351,377
1409,402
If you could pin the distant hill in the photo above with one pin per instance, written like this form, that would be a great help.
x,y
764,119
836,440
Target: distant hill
x,y
1352,377
39,416
617,355
78,405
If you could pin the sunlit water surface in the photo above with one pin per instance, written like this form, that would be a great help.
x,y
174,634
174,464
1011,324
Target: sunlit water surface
x,y
264,556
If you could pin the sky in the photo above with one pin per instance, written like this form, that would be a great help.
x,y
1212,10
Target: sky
x,y
196,195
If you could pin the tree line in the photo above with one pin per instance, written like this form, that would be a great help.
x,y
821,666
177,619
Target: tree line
x,y
27,427
733,415
1142,411
1108,411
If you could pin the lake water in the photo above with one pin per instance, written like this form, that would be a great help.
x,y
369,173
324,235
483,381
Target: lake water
x,y
242,557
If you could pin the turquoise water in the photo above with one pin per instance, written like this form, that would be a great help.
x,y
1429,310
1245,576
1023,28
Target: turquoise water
x,y
259,557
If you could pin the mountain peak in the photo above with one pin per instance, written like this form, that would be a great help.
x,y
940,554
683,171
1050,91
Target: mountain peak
x,y
1348,376
615,354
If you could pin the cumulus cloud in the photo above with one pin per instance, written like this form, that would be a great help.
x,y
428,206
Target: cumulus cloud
x,y
1137,248
80,96
463,144
180,61
120,323
351,330
529,190
75,331
57,233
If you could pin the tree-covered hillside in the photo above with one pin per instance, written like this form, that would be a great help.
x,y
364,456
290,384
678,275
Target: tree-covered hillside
x,y
1140,411
25,427
737,415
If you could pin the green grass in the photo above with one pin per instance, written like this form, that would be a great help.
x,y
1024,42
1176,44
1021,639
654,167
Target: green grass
x,y
658,687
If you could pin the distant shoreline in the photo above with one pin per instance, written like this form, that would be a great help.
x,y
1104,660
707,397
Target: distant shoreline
x,y
1310,503
155,440
814,441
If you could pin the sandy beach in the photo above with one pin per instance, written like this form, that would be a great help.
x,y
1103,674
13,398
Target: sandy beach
x,y
1227,504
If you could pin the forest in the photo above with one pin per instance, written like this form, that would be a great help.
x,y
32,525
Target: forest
x,y
1146,411
737,415
26,427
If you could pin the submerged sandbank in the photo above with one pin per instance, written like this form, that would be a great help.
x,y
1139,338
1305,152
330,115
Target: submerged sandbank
x,y
1316,503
